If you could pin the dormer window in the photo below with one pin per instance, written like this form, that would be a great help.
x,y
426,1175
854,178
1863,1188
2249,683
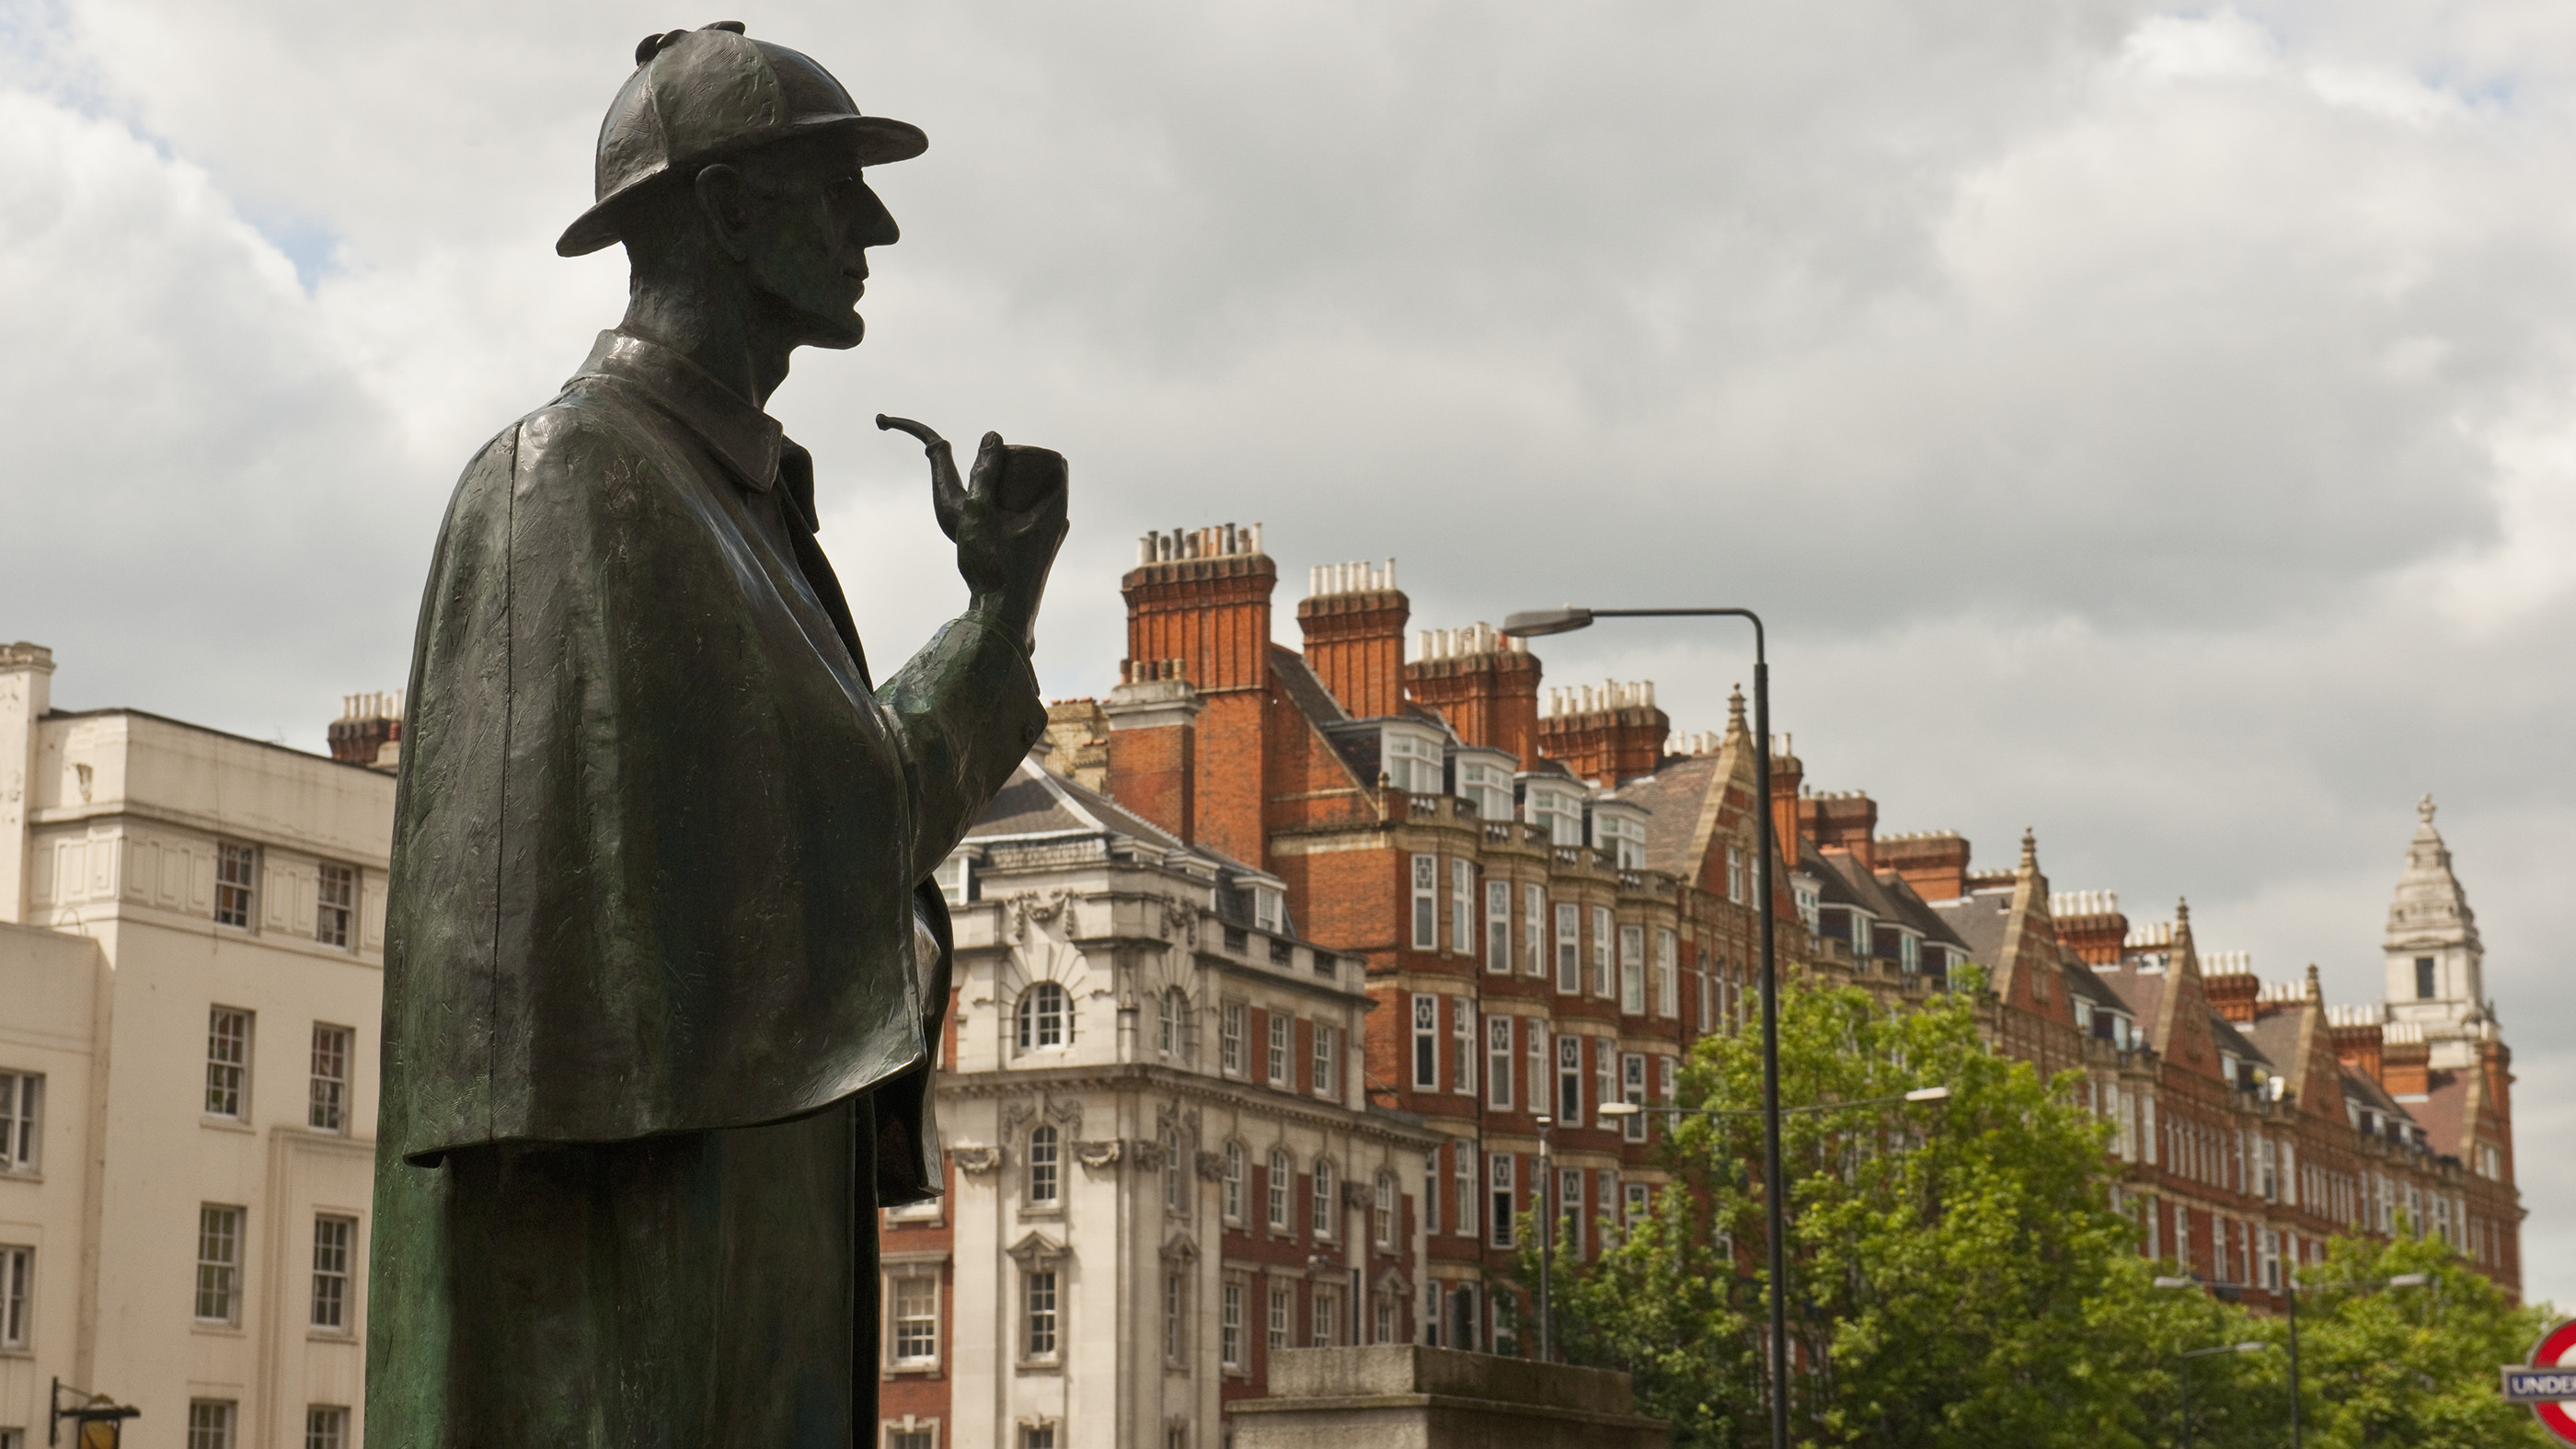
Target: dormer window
x,y
1269,909
1557,809
956,878
1621,831
1410,755
1484,777
1909,952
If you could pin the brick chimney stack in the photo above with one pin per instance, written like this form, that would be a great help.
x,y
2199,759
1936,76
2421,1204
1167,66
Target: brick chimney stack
x,y
1484,685
1606,734
1152,719
1202,598
2090,924
369,729
1353,619
1788,781
1842,820
1934,862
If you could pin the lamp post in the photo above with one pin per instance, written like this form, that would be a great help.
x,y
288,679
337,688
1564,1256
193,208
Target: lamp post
x,y
2290,1299
1546,1239
1563,621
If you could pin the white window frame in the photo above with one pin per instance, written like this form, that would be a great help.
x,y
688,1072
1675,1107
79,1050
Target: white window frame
x,y
1498,1061
1569,948
1033,1018
1230,1323
1503,1182
335,909
17,1296
1042,1177
924,1324
335,1256
1282,1313
22,1123
230,1031
1534,929
1426,1042
211,1423
1426,903
1462,1171
1462,906
1605,1081
1382,1209
1498,927
221,1228
1668,973
326,1106
956,879
1282,1037
326,1426
1632,1090
237,882
1320,1205
1279,1183
1632,970
1327,1042
1602,923
1569,1079
1535,1075
1231,1182
1324,1316
1041,1314
1735,875
1230,1029
1462,1045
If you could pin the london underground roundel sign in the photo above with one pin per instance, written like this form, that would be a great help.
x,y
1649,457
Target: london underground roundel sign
x,y
2544,1384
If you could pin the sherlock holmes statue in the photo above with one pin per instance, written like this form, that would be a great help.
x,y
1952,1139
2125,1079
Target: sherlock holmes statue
x,y
664,979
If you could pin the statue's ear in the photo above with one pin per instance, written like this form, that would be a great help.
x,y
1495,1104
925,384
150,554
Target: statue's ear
x,y
724,201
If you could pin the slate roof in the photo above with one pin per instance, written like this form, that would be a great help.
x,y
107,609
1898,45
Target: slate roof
x,y
1977,921
1303,689
2081,980
1674,798
1036,803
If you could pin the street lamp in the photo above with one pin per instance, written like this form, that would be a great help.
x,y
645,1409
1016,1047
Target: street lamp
x,y
1918,1095
1546,1239
1533,623
2290,1298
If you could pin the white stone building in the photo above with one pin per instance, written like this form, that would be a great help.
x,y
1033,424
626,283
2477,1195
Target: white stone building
x,y
191,943
1162,1164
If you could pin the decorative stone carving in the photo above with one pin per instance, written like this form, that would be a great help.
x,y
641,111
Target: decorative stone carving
x,y
1149,1156
975,1161
1211,1165
1065,1112
1358,1195
1099,1156
1040,906
1016,1113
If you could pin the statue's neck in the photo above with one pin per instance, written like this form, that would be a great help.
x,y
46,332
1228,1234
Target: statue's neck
x,y
714,326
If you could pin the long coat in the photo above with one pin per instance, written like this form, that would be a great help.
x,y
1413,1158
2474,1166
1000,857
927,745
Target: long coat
x,y
658,873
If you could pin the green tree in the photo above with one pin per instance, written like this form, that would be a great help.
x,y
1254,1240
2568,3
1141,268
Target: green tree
x,y
1958,1274
2410,1368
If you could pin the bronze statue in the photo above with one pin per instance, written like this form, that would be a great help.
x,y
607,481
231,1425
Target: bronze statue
x,y
664,975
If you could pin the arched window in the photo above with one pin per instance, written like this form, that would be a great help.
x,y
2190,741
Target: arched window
x,y
1042,1016
1278,1186
1234,1182
1045,1167
1323,1204
1383,1218
1173,1176
1171,1023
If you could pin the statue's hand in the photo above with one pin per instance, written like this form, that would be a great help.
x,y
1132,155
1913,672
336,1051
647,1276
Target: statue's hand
x,y
1009,526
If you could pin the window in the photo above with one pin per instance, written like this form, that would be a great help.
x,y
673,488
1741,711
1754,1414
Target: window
x,y
236,884
956,877
1385,1318
326,1426
1569,1080
327,1109
1668,976
1462,1162
1412,762
210,1424
219,1243
1037,1313
1282,1304
1171,1023
1175,1293
1431,1191
338,902
1534,929
1601,951
917,1434
22,1102
1432,1296
1462,1045
1426,1043
1229,1325
1909,952
1560,810
1327,1053
1489,786
1636,1203
914,1309
1426,903
1670,1089
1037,1436
1621,835
227,1062
333,1240
1569,1207
1269,909
1604,1089
1042,1017
1498,927
1277,1188
1326,1328
1569,948
1046,1166
1534,1041
17,1284
1632,1089
1499,1174
2424,982
1462,906
1233,1183
1173,1173
1632,969
1735,874
1382,1211
1498,1061
1229,1039
1319,1209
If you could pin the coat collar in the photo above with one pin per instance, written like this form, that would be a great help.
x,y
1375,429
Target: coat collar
x,y
746,438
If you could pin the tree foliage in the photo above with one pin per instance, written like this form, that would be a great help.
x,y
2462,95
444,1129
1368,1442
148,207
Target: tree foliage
x,y
1959,1276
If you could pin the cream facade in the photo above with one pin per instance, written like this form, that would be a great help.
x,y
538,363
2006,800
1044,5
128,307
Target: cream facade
x,y
191,953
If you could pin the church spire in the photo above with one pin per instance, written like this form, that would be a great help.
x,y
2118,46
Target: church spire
x,y
2431,910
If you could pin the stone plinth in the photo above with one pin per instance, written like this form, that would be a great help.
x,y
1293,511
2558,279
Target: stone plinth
x,y
1405,1397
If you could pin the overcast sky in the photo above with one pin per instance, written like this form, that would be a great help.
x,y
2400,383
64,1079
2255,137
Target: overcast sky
x,y
2156,427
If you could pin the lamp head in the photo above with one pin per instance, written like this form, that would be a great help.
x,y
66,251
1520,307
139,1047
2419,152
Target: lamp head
x,y
1530,623
2410,1280
1620,1109
1928,1094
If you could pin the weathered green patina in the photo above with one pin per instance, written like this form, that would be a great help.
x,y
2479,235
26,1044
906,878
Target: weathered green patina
x,y
663,975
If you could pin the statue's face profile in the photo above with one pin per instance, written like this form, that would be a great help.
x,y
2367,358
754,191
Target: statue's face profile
x,y
806,220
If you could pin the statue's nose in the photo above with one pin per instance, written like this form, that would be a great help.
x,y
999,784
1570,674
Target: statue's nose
x,y
871,225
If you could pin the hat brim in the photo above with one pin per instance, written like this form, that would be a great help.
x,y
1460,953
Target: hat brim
x,y
877,139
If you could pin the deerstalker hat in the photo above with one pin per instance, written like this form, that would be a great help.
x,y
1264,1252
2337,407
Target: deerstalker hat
x,y
701,95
